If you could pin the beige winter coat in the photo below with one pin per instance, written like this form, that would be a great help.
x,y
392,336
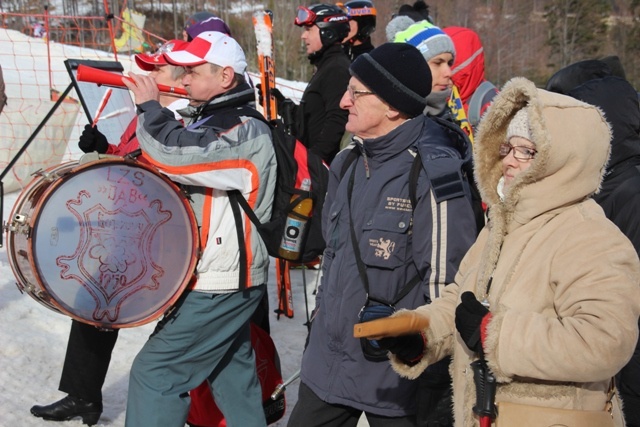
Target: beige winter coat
x,y
565,293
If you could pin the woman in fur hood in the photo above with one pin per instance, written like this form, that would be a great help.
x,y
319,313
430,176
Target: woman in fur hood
x,y
559,283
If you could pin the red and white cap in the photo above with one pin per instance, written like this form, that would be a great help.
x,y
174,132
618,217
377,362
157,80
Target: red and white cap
x,y
149,62
212,47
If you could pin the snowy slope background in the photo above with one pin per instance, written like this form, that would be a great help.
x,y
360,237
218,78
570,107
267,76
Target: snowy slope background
x,y
33,338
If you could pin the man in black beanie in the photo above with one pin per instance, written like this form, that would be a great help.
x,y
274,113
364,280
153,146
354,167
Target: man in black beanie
x,y
395,235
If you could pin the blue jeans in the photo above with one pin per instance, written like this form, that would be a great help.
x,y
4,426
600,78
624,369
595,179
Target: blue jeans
x,y
206,336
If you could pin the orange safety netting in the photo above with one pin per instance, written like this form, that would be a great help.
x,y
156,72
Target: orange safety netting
x,y
35,47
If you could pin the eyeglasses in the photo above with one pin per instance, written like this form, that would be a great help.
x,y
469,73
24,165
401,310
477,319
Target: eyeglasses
x,y
355,93
305,17
520,152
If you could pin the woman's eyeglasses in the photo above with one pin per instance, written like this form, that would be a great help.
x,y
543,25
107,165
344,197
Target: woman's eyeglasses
x,y
520,152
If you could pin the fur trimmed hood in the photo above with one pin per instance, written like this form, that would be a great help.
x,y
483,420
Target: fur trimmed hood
x,y
557,176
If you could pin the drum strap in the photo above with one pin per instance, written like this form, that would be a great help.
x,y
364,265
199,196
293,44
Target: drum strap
x,y
237,216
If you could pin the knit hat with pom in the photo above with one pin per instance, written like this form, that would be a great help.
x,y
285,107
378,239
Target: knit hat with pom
x,y
430,40
397,24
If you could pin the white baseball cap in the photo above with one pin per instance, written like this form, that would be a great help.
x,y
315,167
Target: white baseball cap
x,y
212,47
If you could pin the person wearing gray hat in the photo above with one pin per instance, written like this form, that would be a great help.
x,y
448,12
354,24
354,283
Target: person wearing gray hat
x,y
438,50
391,240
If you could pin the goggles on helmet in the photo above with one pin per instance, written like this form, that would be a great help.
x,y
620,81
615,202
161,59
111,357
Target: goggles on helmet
x,y
305,17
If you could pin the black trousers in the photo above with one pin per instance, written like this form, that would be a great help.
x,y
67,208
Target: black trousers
x,y
435,404
311,411
87,361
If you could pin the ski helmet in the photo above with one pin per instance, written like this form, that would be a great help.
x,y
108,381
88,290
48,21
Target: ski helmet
x,y
332,21
364,13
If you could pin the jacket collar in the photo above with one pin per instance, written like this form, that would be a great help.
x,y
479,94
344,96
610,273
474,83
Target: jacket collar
x,y
419,133
320,57
239,96
398,140
353,51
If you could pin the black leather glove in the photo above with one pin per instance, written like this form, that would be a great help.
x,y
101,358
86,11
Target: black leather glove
x,y
280,99
409,348
92,139
469,315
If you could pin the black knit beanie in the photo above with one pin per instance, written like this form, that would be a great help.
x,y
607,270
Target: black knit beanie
x,y
398,74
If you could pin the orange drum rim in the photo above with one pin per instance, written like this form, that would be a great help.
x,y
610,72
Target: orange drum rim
x,y
29,191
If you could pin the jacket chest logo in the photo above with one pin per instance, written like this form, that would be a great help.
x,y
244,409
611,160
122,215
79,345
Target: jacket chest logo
x,y
383,247
398,204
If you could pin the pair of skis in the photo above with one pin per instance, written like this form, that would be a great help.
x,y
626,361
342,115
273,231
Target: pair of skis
x,y
263,26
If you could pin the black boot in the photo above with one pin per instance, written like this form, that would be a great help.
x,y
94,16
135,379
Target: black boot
x,y
69,408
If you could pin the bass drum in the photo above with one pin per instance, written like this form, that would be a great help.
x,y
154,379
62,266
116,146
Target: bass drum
x,y
110,242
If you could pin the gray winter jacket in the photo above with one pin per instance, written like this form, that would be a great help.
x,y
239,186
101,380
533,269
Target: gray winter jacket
x,y
396,243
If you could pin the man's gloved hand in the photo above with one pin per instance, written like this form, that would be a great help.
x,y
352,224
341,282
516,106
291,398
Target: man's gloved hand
x,y
409,348
469,315
92,139
280,99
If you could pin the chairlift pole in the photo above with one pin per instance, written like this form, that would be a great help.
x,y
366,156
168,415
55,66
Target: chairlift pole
x,y
175,22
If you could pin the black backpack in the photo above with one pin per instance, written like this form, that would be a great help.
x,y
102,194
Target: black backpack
x,y
295,163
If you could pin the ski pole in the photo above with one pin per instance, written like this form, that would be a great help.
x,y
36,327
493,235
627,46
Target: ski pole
x,y
282,387
315,290
486,384
306,299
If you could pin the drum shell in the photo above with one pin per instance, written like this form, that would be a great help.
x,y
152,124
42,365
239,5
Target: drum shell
x,y
111,242
19,231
